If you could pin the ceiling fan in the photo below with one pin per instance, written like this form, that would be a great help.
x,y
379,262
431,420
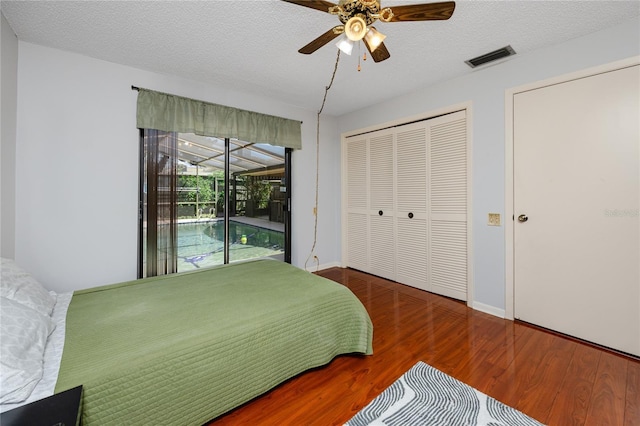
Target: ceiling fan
x,y
357,17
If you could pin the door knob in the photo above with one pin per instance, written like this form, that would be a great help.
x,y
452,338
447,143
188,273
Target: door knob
x,y
523,218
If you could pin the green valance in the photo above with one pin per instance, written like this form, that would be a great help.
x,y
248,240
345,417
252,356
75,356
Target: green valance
x,y
171,113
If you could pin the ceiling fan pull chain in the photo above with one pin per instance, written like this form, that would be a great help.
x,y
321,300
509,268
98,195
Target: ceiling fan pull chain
x,y
315,209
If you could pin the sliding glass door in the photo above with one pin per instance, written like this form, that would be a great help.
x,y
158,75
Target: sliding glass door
x,y
208,201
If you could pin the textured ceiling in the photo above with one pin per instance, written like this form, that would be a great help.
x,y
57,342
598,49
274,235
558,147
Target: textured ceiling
x,y
252,45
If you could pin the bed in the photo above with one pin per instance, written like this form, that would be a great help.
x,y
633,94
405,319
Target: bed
x,y
186,348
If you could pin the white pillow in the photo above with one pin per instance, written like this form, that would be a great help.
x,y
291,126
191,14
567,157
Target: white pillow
x,y
18,285
24,334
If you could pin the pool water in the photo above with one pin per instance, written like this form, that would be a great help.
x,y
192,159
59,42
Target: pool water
x,y
201,245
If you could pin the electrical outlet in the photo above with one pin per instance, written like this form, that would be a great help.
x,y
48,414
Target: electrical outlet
x,y
494,219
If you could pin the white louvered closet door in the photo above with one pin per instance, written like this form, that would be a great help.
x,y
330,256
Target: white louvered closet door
x,y
382,259
406,198
357,204
447,262
411,205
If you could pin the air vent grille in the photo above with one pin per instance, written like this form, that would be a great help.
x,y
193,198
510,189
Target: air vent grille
x,y
491,56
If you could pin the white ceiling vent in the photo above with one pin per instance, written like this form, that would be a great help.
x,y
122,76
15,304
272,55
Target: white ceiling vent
x,y
491,56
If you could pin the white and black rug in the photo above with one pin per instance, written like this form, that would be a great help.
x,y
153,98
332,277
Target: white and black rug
x,y
427,396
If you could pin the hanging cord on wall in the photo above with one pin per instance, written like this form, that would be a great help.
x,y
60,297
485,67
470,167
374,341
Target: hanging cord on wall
x,y
315,208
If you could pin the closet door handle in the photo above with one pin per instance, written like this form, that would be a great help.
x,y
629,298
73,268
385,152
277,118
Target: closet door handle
x,y
380,212
410,215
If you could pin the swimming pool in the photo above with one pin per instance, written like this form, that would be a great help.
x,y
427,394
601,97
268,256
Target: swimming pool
x,y
201,244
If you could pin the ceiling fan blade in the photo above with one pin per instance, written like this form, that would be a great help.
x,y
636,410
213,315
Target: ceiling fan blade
x,y
320,41
380,54
320,5
423,12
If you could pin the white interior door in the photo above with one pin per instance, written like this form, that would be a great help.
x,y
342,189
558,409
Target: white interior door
x,y
577,193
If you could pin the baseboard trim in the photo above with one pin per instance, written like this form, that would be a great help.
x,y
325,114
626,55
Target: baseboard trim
x,y
488,309
314,268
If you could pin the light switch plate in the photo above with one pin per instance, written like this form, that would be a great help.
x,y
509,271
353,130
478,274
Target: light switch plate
x,y
494,219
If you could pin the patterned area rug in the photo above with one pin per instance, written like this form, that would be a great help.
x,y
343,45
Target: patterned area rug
x,y
427,396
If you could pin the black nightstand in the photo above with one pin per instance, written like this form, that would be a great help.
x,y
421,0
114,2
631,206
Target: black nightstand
x,y
61,409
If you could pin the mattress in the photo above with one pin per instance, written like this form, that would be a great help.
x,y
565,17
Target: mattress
x,y
186,348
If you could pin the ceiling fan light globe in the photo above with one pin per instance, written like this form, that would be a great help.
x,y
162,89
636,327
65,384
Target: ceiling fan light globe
x,y
345,45
355,28
374,38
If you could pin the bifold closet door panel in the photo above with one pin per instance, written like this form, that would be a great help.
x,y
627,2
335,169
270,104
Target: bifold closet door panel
x,y
411,205
357,204
448,205
382,257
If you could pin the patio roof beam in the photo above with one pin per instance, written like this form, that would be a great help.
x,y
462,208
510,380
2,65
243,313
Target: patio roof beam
x,y
218,153
261,170
208,159
267,153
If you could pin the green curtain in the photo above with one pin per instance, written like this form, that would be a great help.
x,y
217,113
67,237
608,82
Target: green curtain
x,y
171,113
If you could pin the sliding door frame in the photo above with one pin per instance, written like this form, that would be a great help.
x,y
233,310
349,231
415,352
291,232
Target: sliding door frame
x,y
140,203
227,199
288,152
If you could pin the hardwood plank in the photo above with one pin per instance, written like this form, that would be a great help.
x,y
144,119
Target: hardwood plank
x,y
545,372
572,403
608,396
632,406
500,368
549,377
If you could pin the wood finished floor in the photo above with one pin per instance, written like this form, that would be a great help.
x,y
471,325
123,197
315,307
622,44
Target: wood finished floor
x,y
557,381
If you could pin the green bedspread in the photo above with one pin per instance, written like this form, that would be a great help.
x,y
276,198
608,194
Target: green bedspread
x,y
185,348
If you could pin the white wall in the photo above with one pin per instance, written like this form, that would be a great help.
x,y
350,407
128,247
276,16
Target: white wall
x,y
8,101
77,167
485,89
77,153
